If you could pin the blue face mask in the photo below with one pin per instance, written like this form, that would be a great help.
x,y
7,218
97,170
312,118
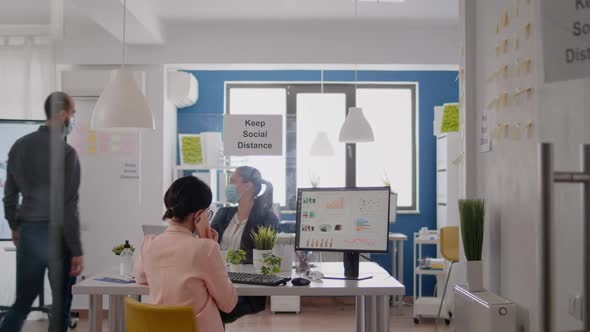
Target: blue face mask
x,y
69,127
231,193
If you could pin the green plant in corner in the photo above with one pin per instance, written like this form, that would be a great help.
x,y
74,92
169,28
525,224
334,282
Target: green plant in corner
x,y
472,213
265,238
235,256
272,265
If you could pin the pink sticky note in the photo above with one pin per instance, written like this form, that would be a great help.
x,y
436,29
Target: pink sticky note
x,y
103,142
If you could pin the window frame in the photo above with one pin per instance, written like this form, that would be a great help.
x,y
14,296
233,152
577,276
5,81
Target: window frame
x,y
349,90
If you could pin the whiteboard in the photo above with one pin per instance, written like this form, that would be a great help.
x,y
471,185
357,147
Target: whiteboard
x,y
343,219
10,132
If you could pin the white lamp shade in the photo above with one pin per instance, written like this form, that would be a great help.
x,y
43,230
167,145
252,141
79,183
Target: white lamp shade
x,y
321,145
122,105
356,128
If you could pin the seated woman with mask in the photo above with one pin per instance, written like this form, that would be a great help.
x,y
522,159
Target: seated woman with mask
x,y
235,224
182,270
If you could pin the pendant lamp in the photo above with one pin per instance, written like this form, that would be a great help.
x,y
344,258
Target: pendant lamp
x,y
122,104
321,146
356,128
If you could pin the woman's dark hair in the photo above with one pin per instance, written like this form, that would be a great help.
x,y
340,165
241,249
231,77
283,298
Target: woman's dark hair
x,y
185,196
262,203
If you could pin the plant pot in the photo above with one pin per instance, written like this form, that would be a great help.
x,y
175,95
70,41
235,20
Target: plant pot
x,y
287,254
475,276
258,258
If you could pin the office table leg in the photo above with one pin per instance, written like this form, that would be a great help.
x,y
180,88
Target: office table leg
x,y
382,313
370,313
95,312
116,313
400,268
360,314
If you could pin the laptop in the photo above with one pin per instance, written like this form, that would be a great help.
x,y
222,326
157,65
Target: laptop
x,y
153,229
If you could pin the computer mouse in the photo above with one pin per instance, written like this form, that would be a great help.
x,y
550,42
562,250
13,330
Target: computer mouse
x,y
300,282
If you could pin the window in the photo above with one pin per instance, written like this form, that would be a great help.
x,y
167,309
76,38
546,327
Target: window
x,y
265,101
389,108
391,158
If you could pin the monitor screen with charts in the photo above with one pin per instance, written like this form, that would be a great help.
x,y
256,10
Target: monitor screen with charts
x,y
343,219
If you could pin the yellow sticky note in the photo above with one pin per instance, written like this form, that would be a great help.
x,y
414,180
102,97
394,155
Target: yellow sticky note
x,y
91,138
191,150
92,149
505,18
450,120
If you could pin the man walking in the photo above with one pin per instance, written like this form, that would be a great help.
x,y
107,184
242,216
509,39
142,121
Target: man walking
x,y
44,171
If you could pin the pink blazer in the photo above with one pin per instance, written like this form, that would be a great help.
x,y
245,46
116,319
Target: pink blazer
x,y
182,270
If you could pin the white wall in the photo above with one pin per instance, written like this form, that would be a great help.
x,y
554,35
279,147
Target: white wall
x,y
330,42
507,177
113,210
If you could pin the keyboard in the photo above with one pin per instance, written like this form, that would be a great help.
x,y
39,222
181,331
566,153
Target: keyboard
x,y
256,279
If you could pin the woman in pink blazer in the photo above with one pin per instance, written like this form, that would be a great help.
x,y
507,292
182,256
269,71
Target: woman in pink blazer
x,y
182,270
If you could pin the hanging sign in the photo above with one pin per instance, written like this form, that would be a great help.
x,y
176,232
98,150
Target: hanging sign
x,y
566,39
260,135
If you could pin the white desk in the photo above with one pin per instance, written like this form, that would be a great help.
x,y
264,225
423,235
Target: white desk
x,y
372,295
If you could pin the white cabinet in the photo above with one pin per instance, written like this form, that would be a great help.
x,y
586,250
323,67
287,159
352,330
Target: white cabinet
x,y
448,149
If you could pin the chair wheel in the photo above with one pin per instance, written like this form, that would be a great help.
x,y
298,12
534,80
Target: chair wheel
x,y
416,321
73,324
450,314
447,322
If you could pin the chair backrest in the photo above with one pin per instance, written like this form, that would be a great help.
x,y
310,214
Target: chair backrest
x,y
449,243
141,317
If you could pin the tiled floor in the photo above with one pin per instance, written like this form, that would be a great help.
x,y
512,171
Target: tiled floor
x,y
315,317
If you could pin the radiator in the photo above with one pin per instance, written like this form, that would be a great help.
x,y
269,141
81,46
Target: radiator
x,y
483,312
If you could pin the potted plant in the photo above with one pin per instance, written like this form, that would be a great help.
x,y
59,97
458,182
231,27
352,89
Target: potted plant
x,y
234,259
265,238
271,264
472,213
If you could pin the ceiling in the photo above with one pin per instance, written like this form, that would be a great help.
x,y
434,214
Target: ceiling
x,y
439,10
37,11
24,11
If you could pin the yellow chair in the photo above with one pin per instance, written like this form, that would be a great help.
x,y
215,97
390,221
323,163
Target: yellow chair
x,y
449,249
141,317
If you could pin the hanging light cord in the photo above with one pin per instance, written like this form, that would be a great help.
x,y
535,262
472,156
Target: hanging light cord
x,y
356,65
322,80
124,19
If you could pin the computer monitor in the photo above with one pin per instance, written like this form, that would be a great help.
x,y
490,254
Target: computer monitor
x,y
349,220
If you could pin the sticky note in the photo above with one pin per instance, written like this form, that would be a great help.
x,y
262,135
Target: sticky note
x,y
505,18
191,150
450,121
91,138
92,149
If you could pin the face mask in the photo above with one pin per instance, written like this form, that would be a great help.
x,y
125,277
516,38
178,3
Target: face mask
x,y
69,127
231,193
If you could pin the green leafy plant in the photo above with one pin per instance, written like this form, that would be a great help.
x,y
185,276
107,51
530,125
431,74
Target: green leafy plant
x,y
472,213
118,249
272,264
235,256
265,238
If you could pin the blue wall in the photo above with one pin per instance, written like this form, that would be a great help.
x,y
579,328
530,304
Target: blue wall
x,y
434,88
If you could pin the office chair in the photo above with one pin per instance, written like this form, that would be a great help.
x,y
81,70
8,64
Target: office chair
x,y
142,317
449,249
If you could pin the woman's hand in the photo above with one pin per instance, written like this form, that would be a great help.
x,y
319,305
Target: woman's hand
x,y
212,234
